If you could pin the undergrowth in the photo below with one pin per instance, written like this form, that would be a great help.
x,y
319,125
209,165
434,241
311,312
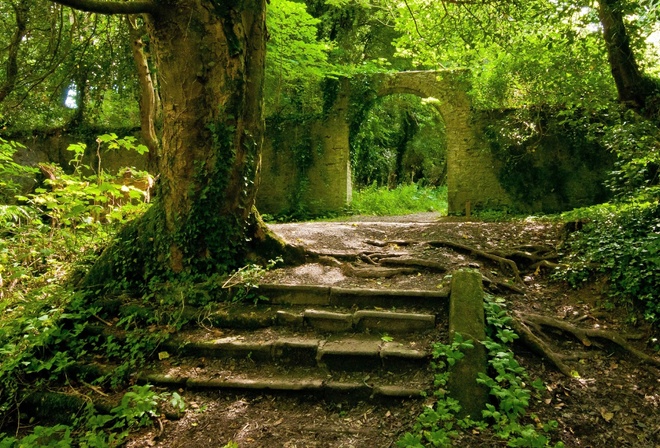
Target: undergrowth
x,y
404,199
506,416
620,241
48,239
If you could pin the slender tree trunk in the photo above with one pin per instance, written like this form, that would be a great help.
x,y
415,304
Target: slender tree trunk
x,y
81,83
148,95
11,68
635,90
210,57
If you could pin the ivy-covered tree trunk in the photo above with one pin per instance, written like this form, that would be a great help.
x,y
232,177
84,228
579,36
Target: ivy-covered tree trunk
x,y
635,90
210,58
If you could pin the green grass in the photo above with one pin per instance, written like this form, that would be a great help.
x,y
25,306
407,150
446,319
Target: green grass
x,y
403,200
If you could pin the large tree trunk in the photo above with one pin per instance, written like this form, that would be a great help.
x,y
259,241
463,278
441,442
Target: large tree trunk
x,y
635,90
210,57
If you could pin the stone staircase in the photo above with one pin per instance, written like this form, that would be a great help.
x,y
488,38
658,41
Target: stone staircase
x,y
334,342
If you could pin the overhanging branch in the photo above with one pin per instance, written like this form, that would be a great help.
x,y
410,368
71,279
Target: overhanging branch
x,y
111,7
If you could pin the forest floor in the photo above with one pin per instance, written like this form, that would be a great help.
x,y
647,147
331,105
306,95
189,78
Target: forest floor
x,y
612,400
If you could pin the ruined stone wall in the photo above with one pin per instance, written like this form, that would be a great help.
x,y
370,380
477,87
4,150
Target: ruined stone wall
x,y
324,182
52,148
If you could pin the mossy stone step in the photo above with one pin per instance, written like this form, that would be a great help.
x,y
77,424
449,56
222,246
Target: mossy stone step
x,y
312,384
313,295
323,320
340,354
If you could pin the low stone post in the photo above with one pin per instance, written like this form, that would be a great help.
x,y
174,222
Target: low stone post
x,y
466,317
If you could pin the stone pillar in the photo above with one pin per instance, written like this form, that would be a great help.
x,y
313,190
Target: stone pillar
x,y
466,317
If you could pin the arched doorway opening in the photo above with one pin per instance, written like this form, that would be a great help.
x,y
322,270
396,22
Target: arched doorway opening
x,y
400,140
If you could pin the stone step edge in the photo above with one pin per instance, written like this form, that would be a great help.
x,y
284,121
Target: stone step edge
x,y
361,320
315,385
313,351
338,296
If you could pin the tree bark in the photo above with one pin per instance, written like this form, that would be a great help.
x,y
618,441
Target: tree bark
x,y
210,57
148,96
635,90
11,68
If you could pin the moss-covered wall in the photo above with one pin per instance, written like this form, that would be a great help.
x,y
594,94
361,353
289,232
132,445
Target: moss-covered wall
x,y
552,166
559,170
306,164
50,147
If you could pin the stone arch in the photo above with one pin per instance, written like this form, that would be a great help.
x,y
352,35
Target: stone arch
x,y
471,172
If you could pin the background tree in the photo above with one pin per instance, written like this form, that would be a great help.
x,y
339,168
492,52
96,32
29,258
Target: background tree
x,y
68,68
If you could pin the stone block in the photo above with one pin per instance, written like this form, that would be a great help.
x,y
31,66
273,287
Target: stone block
x,y
296,295
328,321
289,319
298,351
393,322
350,355
231,348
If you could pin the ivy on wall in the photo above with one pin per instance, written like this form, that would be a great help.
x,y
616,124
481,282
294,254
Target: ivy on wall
x,y
549,161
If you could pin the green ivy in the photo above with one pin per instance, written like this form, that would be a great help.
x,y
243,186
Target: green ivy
x,y
507,381
620,241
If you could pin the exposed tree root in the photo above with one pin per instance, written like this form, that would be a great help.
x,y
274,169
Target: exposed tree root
x,y
375,272
583,334
415,263
372,271
504,262
345,256
546,264
523,324
503,285
401,243
540,347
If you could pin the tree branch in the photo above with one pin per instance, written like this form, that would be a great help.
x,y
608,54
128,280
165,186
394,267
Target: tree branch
x,y
111,7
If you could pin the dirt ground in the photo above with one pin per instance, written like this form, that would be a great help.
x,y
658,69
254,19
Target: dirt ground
x,y
615,402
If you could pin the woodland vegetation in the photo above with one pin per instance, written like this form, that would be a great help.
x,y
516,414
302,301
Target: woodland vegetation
x,y
200,80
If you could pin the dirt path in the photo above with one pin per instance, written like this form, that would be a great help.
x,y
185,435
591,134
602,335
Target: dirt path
x,y
614,402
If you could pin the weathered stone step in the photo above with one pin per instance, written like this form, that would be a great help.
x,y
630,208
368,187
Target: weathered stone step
x,y
341,320
350,297
349,354
297,381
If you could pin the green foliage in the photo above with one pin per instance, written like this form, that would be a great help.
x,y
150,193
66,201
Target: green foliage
x,y
543,151
507,381
11,172
296,60
137,409
636,143
402,200
396,139
245,281
622,242
537,53
64,54
43,320
79,200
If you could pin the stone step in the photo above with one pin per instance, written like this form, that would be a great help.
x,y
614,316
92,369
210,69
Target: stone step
x,y
311,295
348,354
293,380
323,320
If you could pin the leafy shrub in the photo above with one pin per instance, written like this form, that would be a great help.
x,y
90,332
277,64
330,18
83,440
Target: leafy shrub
x,y
79,200
507,382
11,172
622,242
